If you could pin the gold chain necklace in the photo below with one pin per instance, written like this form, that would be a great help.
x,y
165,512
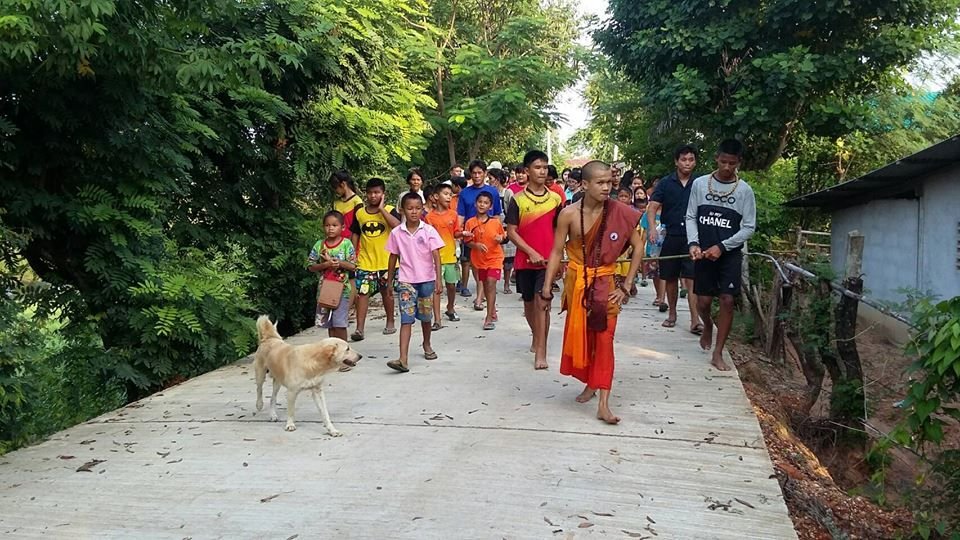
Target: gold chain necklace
x,y
716,193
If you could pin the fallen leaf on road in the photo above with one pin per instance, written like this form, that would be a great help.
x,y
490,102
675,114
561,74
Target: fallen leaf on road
x,y
603,514
416,518
544,503
65,457
634,534
550,523
88,441
650,519
473,411
86,467
585,525
293,536
745,503
178,460
272,497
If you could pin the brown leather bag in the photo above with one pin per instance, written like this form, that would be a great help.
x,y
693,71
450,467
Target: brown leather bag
x,y
331,292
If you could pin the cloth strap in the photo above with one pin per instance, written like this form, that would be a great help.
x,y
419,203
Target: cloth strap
x,y
577,314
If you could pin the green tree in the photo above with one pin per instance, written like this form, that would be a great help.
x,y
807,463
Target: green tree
x,y
494,68
763,71
157,157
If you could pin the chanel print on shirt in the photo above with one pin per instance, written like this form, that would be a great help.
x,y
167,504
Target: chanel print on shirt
x,y
722,213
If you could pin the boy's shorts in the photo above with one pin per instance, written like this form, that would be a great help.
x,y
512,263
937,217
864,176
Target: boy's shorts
x,y
450,272
334,318
651,270
464,253
371,282
416,301
508,263
722,276
530,283
489,273
672,269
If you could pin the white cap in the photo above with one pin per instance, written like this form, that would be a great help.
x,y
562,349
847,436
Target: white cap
x,y
495,165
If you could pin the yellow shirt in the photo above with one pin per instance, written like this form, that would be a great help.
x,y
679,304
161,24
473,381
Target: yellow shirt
x,y
373,229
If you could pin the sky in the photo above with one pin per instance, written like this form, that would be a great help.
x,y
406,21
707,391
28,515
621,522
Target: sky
x,y
570,103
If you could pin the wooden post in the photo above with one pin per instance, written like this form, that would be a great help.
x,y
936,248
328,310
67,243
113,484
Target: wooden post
x,y
779,304
846,314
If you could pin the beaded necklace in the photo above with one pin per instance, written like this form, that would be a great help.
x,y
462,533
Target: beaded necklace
x,y
533,197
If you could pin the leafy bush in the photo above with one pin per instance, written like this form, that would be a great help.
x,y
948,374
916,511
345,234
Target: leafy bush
x,y
48,375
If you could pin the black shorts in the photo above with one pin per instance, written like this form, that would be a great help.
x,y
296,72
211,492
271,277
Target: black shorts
x,y
530,283
675,268
464,252
722,276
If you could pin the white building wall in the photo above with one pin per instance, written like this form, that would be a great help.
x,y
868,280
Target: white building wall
x,y
939,242
890,252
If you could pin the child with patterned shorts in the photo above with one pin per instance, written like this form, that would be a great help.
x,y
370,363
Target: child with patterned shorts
x,y
333,258
416,246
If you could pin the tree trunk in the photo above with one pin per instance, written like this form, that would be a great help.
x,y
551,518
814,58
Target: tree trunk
x,y
442,109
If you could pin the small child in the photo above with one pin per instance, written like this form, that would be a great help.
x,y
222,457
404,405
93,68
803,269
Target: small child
x,y
486,235
416,245
624,195
333,258
444,219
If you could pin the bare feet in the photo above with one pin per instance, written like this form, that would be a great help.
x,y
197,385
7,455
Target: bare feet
x,y
718,362
605,414
540,363
586,395
706,338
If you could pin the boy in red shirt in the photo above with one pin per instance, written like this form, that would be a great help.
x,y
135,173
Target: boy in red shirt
x,y
486,254
530,221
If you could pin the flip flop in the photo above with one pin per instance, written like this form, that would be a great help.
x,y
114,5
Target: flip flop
x,y
478,307
356,336
465,292
489,326
452,315
432,355
436,326
669,323
697,330
507,291
656,302
397,366
664,308
388,331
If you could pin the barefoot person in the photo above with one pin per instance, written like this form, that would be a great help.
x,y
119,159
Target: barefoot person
x,y
670,199
530,222
721,217
590,297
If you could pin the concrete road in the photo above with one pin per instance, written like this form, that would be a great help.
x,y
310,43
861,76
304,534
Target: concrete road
x,y
475,444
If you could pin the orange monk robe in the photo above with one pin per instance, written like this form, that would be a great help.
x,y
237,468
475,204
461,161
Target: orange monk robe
x,y
588,353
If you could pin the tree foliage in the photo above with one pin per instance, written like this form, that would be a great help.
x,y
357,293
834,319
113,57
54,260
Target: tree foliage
x,y
762,71
161,160
494,67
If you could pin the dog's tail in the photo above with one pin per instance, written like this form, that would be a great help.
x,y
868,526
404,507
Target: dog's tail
x,y
266,329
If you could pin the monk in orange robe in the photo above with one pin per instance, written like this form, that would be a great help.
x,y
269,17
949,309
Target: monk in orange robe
x,y
590,296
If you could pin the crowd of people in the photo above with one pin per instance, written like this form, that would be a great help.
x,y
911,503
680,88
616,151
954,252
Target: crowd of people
x,y
597,230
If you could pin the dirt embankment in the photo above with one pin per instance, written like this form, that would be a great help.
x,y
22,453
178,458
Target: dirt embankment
x,y
820,475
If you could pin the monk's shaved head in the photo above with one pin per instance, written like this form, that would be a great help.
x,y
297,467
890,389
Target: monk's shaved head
x,y
595,170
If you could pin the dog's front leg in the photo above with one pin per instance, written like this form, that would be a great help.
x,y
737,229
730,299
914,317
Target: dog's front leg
x,y
291,408
261,374
321,402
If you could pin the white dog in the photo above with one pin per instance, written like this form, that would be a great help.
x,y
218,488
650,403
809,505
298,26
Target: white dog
x,y
297,368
